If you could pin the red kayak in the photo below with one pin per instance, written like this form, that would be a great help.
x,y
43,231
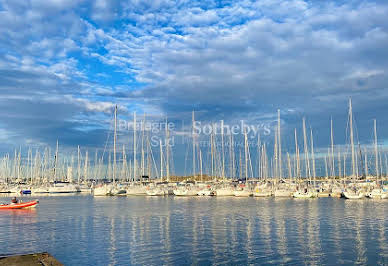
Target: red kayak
x,y
21,205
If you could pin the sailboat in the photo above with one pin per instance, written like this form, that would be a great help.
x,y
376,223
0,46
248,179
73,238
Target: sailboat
x,y
305,192
109,189
262,190
354,192
244,190
377,193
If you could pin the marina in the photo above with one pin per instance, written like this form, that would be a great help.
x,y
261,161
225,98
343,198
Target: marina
x,y
351,178
199,230
209,132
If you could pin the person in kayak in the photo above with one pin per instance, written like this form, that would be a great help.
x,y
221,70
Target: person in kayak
x,y
14,200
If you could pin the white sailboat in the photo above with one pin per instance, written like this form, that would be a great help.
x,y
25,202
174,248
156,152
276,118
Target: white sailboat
x,y
377,193
224,191
60,187
303,194
262,191
102,190
354,192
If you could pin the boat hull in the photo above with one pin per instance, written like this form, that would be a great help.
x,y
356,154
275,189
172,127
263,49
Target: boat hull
x,y
224,192
303,195
349,195
242,193
262,194
282,193
23,205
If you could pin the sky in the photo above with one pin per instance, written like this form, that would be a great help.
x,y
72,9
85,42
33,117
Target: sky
x,y
64,65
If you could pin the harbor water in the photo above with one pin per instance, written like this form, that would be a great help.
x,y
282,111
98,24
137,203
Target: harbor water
x,y
87,230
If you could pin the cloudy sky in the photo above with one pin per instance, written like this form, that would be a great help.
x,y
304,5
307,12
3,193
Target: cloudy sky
x,y
65,64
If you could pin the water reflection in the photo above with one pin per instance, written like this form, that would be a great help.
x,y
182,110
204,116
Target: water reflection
x,y
168,230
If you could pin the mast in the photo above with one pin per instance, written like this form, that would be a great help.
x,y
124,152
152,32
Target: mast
x,y
339,164
332,147
167,153
222,150
86,166
70,178
200,163
79,166
109,165
134,146
240,168
258,156
142,147
297,175
55,163
376,152
193,135
124,165
114,147
230,156
312,154
95,165
326,166
246,155
233,158
344,164
366,163
275,151
161,160
280,148
289,165
306,151
351,139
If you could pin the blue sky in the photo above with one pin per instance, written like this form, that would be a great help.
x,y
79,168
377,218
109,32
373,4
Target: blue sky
x,y
65,64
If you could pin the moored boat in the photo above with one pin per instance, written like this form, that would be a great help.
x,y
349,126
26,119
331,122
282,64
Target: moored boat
x,y
303,194
102,190
351,194
282,193
242,193
377,194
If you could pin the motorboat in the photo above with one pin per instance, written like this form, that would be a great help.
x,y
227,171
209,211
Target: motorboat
x,y
20,205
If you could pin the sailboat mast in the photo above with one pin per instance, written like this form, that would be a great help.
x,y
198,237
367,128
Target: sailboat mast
x,y
222,149
230,156
289,165
79,166
351,138
86,166
167,153
332,147
366,163
193,136
134,146
246,155
376,152
297,175
114,147
280,148
306,151
142,146
161,160
339,164
312,155
200,163
56,162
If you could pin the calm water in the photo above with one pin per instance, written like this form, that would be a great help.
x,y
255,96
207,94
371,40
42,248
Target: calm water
x,y
82,230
